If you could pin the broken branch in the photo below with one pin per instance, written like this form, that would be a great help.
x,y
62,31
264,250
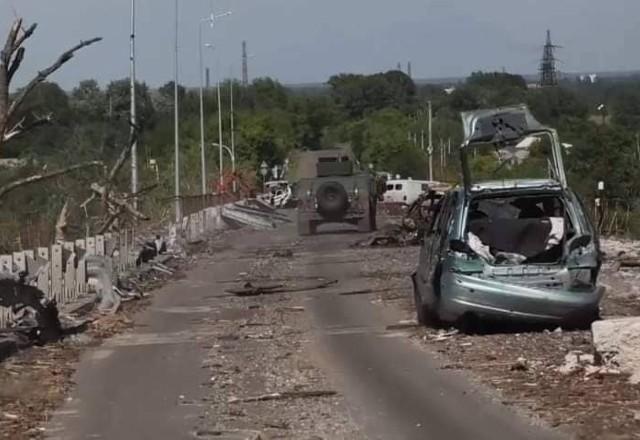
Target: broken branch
x,y
4,190
110,198
44,74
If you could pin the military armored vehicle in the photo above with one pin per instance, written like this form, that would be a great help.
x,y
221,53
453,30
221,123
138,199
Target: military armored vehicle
x,y
340,192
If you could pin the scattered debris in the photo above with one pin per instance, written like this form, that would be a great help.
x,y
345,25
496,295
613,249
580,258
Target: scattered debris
x,y
287,253
575,362
234,434
521,364
442,335
284,395
389,236
250,290
33,314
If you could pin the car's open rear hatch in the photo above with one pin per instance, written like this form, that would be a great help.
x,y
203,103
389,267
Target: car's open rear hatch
x,y
508,144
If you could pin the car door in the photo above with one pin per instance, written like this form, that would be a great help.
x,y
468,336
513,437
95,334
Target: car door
x,y
430,250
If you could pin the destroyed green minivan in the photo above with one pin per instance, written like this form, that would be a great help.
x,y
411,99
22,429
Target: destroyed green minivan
x,y
514,242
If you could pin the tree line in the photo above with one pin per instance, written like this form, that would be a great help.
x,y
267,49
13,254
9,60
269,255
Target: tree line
x,y
382,117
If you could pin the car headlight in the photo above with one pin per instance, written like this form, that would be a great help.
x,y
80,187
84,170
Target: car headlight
x,y
309,194
356,192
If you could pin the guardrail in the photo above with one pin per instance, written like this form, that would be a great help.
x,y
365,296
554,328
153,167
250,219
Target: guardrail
x,y
61,268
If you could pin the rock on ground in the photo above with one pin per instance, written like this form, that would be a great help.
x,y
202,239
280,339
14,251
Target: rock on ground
x,y
617,342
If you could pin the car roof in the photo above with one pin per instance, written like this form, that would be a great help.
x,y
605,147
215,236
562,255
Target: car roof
x,y
501,185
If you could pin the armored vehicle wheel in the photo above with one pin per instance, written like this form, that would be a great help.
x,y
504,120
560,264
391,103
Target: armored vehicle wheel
x,y
332,199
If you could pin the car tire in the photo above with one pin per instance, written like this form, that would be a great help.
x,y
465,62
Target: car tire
x,y
425,315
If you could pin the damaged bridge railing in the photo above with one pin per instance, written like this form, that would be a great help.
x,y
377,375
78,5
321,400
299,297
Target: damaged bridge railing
x,y
60,270
65,272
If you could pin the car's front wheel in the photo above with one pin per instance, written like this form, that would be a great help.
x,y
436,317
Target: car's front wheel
x,y
425,315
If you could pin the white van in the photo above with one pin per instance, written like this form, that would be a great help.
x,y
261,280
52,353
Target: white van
x,y
405,191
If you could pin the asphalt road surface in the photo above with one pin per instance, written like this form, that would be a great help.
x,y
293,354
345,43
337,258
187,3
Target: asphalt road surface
x,y
146,384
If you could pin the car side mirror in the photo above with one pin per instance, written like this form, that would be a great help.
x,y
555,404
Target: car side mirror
x,y
578,242
460,246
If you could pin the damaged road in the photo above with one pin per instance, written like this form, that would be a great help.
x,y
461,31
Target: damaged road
x,y
319,343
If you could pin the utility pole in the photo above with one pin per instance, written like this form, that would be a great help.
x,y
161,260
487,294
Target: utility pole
x,y
220,137
177,125
233,140
203,161
430,149
133,114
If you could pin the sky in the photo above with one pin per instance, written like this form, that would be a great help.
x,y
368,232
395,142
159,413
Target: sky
x,y
305,41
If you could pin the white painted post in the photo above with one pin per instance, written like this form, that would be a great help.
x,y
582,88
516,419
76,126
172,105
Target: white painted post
x,y
20,261
81,270
81,276
193,227
43,253
91,245
70,286
56,273
6,263
100,249
109,244
30,253
81,244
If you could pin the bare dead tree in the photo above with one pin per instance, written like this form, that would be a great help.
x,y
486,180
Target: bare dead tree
x,y
11,57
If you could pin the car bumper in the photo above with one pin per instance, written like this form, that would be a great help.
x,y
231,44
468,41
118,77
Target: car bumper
x,y
490,299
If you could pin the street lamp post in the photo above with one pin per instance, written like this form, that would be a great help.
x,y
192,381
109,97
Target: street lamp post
x,y
133,115
211,20
203,161
176,125
233,140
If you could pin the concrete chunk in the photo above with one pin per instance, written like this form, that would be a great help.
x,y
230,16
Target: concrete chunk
x,y
617,343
